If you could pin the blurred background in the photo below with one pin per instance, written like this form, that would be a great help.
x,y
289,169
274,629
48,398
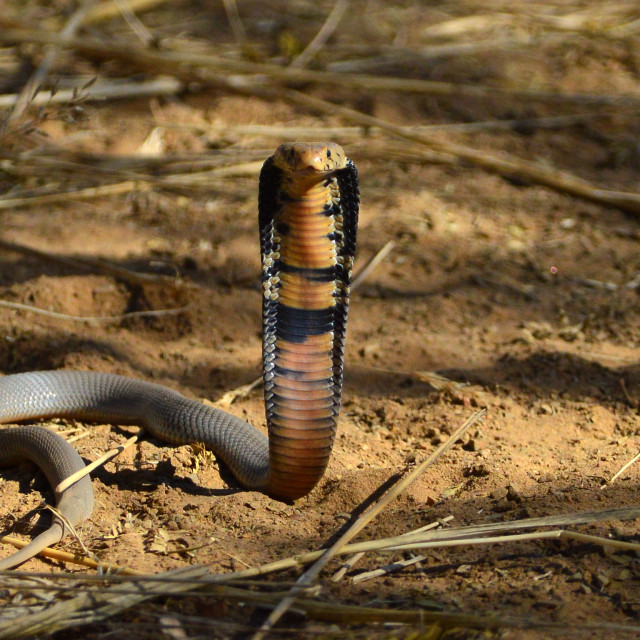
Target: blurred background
x,y
498,150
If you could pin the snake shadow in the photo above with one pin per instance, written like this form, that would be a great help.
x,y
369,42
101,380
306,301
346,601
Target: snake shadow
x,y
144,479
29,479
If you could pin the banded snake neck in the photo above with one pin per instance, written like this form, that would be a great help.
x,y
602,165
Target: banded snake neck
x,y
307,235
308,213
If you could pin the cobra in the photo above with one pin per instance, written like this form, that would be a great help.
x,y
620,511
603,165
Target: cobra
x,y
308,215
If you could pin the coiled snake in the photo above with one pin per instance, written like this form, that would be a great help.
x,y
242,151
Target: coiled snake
x,y
308,213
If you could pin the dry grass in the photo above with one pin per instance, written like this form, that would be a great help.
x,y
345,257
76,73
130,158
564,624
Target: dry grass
x,y
46,603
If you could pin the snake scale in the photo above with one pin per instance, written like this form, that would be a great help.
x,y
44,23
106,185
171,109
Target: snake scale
x,y
308,215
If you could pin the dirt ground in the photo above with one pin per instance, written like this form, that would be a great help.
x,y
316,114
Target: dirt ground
x,y
526,296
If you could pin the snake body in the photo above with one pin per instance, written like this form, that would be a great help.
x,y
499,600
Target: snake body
x,y
308,211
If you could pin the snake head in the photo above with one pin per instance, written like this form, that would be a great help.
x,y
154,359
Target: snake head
x,y
310,158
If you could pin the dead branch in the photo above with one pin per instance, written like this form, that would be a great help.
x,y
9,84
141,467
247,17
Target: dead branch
x,y
88,264
103,89
330,25
216,70
505,165
41,72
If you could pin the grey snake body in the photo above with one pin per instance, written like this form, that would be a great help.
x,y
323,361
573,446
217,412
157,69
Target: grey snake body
x,y
308,212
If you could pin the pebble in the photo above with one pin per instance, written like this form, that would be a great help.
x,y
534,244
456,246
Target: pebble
x,y
499,494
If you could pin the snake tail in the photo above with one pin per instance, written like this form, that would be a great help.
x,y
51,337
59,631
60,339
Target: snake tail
x,y
39,445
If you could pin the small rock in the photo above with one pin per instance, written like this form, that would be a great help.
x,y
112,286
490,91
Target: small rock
x,y
474,444
371,350
499,494
477,471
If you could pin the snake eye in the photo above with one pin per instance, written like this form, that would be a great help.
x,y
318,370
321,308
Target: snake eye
x,y
328,153
292,154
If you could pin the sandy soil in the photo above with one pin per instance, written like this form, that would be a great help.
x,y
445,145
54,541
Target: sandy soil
x,y
526,296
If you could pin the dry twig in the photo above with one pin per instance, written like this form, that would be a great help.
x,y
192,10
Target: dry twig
x,y
102,460
621,470
347,566
134,22
108,9
228,398
330,25
66,195
152,313
41,72
104,89
233,16
65,556
366,269
388,568
88,264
